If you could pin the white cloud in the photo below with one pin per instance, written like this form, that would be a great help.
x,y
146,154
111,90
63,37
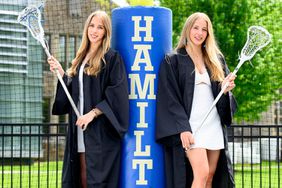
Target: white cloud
x,y
121,3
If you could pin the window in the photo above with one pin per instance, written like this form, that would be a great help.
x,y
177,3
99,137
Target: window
x,y
79,39
44,60
62,51
46,110
71,49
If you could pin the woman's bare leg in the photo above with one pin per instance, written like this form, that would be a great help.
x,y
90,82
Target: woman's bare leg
x,y
82,170
213,156
199,162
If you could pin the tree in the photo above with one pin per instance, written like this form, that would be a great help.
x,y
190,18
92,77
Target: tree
x,y
264,80
257,86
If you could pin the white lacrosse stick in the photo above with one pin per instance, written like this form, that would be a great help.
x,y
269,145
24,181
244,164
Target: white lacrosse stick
x,y
31,18
257,38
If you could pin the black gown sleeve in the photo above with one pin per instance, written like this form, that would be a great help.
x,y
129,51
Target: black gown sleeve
x,y
61,104
171,117
115,105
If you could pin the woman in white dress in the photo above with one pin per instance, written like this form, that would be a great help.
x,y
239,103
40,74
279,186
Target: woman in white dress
x,y
189,80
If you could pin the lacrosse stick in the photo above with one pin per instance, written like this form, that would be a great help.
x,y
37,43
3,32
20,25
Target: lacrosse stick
x,y
257,38
31,18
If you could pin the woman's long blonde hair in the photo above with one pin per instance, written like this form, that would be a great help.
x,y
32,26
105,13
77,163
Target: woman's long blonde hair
x,y
210,49
94,62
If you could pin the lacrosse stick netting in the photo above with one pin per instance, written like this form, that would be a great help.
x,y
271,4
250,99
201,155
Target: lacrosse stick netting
x,y
31,18
257,38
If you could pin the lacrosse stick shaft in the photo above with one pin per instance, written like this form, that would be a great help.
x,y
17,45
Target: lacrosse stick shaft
x,y
219,95
238,66
61,81
67,93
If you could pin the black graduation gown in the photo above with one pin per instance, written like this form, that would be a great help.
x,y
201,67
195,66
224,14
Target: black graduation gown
x,y
109,93
174,103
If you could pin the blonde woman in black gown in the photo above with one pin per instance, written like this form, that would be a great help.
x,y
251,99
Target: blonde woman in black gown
x,y
189,80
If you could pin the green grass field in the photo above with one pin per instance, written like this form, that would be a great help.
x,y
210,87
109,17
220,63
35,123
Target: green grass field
x,y
265,175
28,176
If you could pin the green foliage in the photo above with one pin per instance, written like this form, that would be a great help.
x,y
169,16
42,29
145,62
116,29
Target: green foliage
x,y
106,5
257,86
262,81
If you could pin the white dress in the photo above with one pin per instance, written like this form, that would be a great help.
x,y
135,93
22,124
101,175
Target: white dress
x,y
210,136
80,139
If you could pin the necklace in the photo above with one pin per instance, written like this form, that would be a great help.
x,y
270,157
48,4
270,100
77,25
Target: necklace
x,y
198,61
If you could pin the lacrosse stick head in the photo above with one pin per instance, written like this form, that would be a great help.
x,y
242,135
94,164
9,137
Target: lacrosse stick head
x,y
31,18
257,38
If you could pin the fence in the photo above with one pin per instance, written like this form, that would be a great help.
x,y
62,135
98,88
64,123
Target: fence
x,y
256,155
32,154
21,165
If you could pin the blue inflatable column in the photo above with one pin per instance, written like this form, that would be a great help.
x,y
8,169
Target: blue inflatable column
x,y
142,35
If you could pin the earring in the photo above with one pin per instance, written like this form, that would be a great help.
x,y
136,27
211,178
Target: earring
x,y
185,41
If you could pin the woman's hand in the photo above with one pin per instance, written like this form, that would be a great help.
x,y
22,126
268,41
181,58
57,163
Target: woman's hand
x,y
230,81
187,140
85,119
54,64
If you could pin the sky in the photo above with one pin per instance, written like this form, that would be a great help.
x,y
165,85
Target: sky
x,y
121,3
